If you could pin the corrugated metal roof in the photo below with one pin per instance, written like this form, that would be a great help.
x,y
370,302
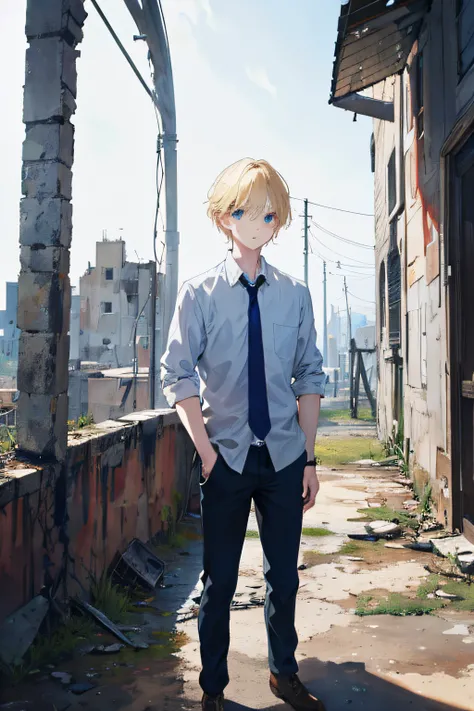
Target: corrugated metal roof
x,y
374,41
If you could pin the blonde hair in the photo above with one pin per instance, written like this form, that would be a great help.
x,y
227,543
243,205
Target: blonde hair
x,y
253,185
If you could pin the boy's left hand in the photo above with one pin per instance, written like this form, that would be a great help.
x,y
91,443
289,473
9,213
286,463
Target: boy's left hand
x,y
310,488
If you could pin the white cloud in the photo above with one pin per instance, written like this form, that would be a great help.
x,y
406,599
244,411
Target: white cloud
x,y
259,76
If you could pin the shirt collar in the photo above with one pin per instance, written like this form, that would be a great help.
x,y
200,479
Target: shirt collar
x,y
234,272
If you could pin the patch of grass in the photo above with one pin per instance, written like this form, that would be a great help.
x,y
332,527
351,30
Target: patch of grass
x,y
358,548
385,513
332,451
428,587
111,599
334,415
463,590
252,534
395,604
317,532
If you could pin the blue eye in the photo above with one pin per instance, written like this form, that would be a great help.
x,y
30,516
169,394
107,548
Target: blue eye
x,y
269,218
237,214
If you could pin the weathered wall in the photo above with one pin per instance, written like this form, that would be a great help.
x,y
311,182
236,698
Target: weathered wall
x,y
424,318
119,478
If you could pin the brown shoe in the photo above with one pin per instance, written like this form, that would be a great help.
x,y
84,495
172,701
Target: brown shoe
x,y
212,703
291,690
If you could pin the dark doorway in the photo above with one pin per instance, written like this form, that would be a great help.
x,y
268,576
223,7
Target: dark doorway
x,y
462,329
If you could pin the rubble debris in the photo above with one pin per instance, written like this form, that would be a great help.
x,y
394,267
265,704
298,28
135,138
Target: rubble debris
x,y
354,559
363,537
422,546
64,677
411,504
394,546
26,623
303,566
446,596
452,546
81,687
109,649
106,623
139,566
383,529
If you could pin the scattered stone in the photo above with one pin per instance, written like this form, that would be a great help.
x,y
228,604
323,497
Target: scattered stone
x,y
64,677
354,559
394,546
383,529
411,504
109,649
446,596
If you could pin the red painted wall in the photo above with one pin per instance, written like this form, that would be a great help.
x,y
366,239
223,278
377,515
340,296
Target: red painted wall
x,y
115,487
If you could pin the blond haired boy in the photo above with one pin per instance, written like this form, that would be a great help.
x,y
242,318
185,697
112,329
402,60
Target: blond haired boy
x,y
249,330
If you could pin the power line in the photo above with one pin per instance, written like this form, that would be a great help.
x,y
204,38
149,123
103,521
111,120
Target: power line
x,y
342,239
360,299
330,207
366,265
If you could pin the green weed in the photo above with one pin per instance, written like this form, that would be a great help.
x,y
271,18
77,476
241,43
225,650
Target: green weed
x,y
395,604
343,450
317,532
385,513
252,534
111,599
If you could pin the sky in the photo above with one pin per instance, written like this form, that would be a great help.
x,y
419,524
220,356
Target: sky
x,y
253,82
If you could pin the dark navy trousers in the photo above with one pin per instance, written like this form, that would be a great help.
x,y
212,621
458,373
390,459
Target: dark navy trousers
x,y
225,503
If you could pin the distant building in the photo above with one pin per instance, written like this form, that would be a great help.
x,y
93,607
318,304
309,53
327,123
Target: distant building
x,y
9,333
338,337
75,327
114,313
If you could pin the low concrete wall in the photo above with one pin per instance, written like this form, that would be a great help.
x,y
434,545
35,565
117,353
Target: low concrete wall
x,y
122,479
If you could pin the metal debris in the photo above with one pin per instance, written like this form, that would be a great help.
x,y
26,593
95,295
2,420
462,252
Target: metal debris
x,y
106,623
109,649
139,566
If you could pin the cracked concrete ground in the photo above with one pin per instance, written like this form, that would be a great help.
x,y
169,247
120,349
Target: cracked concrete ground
x,y
375,663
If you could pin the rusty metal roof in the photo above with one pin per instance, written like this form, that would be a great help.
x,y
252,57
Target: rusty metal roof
x,y
374,40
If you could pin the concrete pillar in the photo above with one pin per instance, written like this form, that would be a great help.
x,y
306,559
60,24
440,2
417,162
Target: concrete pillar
x,y
53,30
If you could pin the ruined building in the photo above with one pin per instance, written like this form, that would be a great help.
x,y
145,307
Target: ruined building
x,y
115,306
416,59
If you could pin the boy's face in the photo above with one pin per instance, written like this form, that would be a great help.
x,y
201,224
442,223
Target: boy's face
x,y
252,231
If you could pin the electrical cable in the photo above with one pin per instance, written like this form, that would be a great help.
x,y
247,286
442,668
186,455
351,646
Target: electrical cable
x,y
342,239
331,207
344,256
360,298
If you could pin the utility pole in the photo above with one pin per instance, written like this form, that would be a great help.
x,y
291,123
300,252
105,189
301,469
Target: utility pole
x,y
325,306
349,325
306,250
148,17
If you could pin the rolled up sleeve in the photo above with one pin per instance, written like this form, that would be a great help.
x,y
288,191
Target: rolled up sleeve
x,y
186,343
308,374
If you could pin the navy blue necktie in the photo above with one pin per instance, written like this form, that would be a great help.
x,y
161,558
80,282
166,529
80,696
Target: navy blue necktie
x,y
259,416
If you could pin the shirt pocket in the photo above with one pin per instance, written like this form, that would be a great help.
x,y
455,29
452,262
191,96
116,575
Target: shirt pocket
x,y
285,340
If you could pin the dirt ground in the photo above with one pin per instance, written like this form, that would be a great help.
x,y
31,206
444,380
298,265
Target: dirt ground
x,y
375,663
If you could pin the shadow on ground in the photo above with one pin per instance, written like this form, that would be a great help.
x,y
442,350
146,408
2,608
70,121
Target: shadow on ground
x,y
350,685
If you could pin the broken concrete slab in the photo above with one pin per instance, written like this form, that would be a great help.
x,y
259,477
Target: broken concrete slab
x,y
19,630
452,546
